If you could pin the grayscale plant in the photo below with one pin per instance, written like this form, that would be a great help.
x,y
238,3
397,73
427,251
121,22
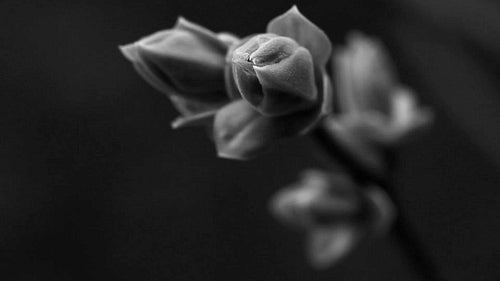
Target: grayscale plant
x,y
286,82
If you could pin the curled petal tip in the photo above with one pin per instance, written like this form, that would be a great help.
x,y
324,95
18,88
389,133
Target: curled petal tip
x,y
176,124
181,21
130,52
294,10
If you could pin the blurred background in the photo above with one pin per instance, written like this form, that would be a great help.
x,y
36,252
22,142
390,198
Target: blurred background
x,y
94,185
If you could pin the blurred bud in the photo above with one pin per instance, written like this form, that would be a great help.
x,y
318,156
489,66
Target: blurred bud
x,y
373,104
281,78
186,63
335,212
376,112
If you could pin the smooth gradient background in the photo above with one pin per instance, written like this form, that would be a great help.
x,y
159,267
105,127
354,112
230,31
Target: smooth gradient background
x,y
94,185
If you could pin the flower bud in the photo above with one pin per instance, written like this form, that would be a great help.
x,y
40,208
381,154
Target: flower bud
x,y
186,63
376,111
279,84
275,74
371,100
335,212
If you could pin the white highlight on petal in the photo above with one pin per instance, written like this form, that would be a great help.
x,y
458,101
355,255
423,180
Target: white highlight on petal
x,y
328,245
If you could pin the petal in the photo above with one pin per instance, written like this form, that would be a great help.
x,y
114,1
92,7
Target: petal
x,y
407,117
302,122
129,51
327,245
294,25
287,86
231,88
245,78
240,132
371,73
344,81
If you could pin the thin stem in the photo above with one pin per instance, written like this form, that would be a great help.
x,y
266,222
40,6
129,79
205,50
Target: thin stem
x,y
403,230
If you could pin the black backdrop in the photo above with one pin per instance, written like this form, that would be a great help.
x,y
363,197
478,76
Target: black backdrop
x,y
94,185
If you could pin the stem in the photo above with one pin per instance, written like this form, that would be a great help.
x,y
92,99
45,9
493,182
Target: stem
x,y
403,230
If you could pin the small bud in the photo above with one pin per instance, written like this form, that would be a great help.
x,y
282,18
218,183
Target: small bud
x,y
187,64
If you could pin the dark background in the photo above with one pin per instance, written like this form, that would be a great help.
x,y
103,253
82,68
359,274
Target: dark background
x,y
94,185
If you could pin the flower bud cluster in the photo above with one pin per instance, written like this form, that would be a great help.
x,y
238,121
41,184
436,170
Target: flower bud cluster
x,y
272,85
255,90
248,91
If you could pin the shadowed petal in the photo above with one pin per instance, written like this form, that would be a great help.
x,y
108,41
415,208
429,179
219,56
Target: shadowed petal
x,y
371,72
193,112
294,25
186,60
289,85
364,75
302,122
240,131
